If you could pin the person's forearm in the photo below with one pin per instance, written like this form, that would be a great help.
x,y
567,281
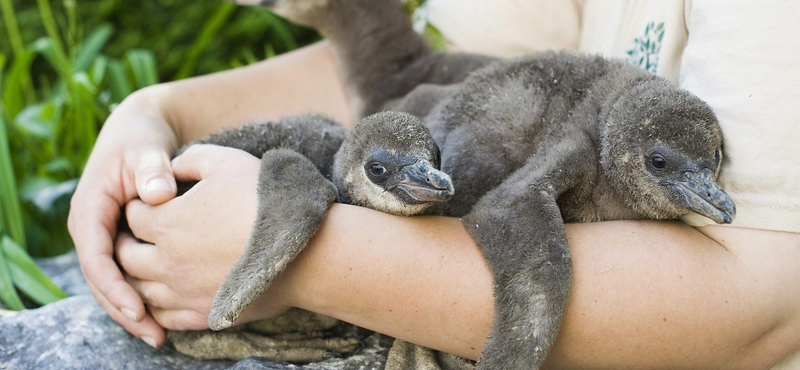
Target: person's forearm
x,y
300,82
651,295
421,279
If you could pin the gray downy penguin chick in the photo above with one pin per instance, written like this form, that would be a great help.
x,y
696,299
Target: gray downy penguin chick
x,y
530,143
633,148
389,162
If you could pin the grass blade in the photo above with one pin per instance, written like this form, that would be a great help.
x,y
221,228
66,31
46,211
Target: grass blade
x,y
11,210
28,277
118,81
143,66
2,69
8,294
98,69
12,29
48,48
89,50
210,28
281,29
17,83
49,22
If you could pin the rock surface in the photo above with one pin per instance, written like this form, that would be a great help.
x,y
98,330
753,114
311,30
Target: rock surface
x,y
76,333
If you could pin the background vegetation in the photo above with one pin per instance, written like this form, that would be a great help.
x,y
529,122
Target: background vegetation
x,y
64,65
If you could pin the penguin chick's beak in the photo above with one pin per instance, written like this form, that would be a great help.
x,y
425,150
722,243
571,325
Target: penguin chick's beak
x,y
424,183
702,195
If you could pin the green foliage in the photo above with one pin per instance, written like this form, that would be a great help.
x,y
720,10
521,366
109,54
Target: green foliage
x,y
63,68
171,29
19,269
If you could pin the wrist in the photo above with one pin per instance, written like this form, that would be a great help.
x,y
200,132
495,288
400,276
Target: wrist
x,y
142,117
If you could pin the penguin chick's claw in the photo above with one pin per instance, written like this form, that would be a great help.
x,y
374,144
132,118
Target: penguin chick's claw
x,y
293,198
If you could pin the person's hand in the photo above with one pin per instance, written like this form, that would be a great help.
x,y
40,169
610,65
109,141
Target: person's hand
x,y
186,246
130,159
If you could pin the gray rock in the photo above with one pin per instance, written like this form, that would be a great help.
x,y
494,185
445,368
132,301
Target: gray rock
x,y
77,333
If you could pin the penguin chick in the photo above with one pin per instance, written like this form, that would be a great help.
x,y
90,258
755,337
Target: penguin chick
x,y
389,162
623,144
530,143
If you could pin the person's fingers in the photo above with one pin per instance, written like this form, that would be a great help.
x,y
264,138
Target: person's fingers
x,y
91,223
156,294
155,183
137,259
179,319
146,329
203,160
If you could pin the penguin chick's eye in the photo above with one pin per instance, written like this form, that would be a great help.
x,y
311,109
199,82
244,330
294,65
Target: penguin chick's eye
x,y
658,162
377,169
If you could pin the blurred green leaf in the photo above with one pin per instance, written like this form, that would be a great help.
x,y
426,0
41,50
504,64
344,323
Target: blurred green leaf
x,y
11,211
118,80
44,192
35,120
89,50
28,277
143,66
210,28
16,82
281,29
47,47
8,294
98,69
49,22
12,29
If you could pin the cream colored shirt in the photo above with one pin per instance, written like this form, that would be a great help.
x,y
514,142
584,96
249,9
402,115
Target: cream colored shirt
x,y
742,57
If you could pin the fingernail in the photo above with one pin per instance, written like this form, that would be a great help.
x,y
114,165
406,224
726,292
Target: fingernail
x,y
129,314
157,184
149,340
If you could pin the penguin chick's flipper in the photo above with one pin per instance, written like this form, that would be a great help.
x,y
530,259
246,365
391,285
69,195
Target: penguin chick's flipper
x,y
293,198
315,137
519,229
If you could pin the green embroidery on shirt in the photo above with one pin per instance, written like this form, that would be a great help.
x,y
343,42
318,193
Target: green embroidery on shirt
x,y
647,47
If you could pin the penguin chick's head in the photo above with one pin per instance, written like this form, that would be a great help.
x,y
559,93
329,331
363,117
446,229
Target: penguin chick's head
x,y
663,147
390,162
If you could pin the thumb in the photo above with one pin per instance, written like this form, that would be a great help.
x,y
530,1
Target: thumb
x,y
154,180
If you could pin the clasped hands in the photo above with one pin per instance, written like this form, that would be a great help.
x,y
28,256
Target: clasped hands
x,y
181,248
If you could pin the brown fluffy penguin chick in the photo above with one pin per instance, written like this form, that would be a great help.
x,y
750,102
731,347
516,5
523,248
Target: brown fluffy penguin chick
x,y
389,162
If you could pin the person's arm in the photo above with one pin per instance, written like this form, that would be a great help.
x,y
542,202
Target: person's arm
x,y
648,294
300,82
132,153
